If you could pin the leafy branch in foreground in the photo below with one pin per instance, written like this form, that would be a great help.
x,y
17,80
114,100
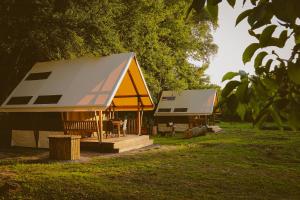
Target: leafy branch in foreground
x,y
274,90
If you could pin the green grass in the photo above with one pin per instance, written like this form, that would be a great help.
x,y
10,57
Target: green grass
x,y
241,163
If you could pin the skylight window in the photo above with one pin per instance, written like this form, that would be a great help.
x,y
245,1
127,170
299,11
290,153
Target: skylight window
x,y
38,76
168,98
22,100
180,109
48,99
164,110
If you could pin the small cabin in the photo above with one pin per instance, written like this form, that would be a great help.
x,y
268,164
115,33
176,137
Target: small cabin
x,y
96,98
186,109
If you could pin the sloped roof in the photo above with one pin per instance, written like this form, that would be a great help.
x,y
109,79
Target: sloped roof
x,y
187,102
82,84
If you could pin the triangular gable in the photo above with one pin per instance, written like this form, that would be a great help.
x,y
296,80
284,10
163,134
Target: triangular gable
x,y
82,84
132,90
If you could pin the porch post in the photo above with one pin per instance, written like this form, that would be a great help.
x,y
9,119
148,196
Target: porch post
x,y
139,118
101,125
142,114
63,122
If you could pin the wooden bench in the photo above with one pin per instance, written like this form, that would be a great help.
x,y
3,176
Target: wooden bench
x,y
80,127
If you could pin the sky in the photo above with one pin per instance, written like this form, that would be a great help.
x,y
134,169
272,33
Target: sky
x,y
232,41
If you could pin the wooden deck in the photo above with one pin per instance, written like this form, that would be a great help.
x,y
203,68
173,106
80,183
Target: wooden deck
x,y
116,144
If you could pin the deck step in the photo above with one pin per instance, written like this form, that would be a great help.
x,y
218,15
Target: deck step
x,y
134,144
131,141
122,145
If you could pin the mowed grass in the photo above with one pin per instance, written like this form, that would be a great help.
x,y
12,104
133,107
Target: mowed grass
x,y
240,163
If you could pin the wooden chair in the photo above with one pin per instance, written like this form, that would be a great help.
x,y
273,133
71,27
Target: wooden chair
x,y
108,127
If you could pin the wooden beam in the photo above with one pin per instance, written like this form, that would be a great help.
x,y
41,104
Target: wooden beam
x,y
131,96
134,85
131,107
138,119
98,128
63,120
142,114
101,125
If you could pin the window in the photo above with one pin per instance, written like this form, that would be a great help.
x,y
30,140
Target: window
x,y
19,100
180,109
164,110
170,98
48,99
38,76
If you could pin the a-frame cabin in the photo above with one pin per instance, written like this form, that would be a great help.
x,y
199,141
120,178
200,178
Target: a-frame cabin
x,y
86,93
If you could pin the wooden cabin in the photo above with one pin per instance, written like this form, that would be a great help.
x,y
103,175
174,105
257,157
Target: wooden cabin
x,y
186,109
86,96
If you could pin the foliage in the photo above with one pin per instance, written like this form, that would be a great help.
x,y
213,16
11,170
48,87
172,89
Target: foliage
x,y
274,90
34,30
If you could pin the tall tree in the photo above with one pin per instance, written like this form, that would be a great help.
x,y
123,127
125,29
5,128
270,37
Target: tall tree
x,y
34,30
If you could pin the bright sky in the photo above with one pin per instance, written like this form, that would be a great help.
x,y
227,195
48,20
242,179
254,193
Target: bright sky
x,y
232,41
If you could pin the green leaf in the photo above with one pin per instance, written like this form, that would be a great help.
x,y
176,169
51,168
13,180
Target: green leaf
x,y
294,117
232,103
249,52
268,65
242,16
229,75
282,39
294,72
212,9
213,2
261,118
266,35
241,110
297,38
276,117
242,92
270,84
197,5
259,58
230,86
231,2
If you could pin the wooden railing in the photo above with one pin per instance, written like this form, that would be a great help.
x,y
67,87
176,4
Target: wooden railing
x,y
91,126
131,126
87,126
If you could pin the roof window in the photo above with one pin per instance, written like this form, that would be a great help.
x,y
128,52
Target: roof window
x,y
48,99
22,100
168,98
38,76
180,109
164,110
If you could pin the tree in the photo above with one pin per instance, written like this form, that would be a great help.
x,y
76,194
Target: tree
x,y
34,30
274,90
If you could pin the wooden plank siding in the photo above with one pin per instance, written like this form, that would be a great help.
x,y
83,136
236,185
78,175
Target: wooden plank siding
x,y
65,147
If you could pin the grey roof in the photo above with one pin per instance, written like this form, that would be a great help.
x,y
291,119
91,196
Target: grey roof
x,y
187,102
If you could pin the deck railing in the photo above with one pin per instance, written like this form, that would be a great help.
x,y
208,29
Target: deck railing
x,y
80,126
131,126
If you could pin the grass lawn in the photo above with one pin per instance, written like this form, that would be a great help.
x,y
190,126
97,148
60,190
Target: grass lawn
x,y
241,163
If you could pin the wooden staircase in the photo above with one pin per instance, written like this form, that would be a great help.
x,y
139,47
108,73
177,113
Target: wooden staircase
x,y
117,145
